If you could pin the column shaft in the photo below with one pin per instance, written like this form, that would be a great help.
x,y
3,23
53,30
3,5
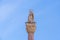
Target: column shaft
x,y
30,36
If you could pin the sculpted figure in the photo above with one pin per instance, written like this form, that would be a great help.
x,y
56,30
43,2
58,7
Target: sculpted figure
x,y
31,17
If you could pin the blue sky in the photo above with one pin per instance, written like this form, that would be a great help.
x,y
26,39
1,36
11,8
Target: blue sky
x,y
14,14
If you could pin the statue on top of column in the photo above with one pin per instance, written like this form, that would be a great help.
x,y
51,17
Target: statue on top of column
x,y
31,17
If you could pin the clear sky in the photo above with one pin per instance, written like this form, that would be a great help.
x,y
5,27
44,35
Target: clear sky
x,y
14,14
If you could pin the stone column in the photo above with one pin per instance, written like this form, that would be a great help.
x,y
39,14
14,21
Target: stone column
x,y
30,36
30,26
